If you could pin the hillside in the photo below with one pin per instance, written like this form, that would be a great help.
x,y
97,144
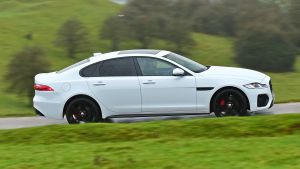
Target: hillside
x,y
266,142
42,19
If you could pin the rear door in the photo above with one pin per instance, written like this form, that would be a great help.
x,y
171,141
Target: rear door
x,y
116,85
163,93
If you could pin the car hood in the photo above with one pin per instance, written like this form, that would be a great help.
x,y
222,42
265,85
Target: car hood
x,y
232,72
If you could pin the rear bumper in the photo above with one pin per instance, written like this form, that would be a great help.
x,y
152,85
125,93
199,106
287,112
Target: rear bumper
x,y
38,113
48,108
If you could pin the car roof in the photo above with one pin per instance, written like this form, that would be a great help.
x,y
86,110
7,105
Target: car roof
x,y
125,53
140,51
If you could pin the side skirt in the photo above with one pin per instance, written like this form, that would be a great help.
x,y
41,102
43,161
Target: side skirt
x,y
156,115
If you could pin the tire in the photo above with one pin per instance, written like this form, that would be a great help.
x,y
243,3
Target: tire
x,y
230,102
83,110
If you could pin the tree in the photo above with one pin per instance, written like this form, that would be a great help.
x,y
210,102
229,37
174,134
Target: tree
x,y
218,16
179,33
294,17
265,48
145,19
177,27
295,13
72,36
22,69
115,30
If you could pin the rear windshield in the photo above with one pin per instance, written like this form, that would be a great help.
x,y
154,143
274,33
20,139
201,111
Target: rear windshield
x,y
74,65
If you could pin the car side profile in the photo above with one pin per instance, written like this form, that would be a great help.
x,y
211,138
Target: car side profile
x,y
142,83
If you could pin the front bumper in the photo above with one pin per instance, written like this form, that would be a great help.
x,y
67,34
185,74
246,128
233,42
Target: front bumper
x,y
261,99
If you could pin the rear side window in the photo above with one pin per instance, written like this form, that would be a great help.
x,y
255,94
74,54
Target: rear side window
x,y
91,71
118,67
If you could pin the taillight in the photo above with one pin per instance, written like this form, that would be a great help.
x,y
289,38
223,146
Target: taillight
x,y
40,87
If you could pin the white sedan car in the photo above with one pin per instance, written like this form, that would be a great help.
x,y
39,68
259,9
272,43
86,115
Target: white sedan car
x,y
143,83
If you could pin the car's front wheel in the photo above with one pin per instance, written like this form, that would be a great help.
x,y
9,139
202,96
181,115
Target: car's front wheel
x,y
230,102
82,110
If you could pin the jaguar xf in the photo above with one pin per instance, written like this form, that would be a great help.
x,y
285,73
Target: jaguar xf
x,y
145,83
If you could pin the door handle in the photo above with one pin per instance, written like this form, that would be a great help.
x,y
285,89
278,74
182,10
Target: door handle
x,y
149,82
99,84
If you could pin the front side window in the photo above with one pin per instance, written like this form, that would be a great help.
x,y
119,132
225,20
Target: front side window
x,y
155,67
118,67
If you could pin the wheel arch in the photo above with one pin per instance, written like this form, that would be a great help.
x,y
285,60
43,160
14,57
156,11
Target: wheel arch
x,y
80,96
224,88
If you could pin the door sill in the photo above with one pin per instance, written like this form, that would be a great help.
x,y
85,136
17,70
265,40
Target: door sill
x,y
155,115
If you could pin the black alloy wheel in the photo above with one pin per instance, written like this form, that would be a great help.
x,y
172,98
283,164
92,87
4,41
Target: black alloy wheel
x,y
230,102
82,110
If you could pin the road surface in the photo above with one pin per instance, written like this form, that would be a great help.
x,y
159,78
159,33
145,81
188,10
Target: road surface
x,y
23,122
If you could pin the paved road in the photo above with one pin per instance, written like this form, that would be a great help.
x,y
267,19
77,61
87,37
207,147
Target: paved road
x,y
23,122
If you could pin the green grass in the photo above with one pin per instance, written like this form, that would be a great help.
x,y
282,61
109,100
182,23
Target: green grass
x,y
240,142
43,18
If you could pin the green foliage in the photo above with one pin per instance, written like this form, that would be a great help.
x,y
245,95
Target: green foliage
x,y
142,18
115,30
146,21
294,16
196,143
217,18
22,69
72,36
295,12
265,48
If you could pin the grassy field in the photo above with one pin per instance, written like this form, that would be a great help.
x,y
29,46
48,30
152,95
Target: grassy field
x,y
43,18
268,142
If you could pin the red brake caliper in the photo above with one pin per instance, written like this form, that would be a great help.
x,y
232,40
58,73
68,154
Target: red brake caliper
x,y
222,103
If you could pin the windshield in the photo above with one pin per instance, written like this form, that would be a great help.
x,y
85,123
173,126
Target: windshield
x,y
74,65
188,63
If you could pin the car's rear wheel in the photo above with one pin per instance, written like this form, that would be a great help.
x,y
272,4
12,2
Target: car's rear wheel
x,y
82,110
230,102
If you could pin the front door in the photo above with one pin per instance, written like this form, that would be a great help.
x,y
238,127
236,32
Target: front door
x,y
163,93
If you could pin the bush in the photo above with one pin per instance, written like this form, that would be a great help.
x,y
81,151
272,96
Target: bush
x,y
265,48
22,69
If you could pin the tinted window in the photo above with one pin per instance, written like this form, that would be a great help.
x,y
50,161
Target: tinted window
x,y
188,63
91,71
118,67
155,67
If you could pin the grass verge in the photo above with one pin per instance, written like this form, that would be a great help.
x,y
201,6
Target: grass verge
x,y
239,142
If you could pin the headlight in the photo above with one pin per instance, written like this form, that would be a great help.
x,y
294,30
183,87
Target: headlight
x,y
256,86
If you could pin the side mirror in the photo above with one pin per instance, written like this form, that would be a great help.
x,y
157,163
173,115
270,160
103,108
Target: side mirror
x,y
178,72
